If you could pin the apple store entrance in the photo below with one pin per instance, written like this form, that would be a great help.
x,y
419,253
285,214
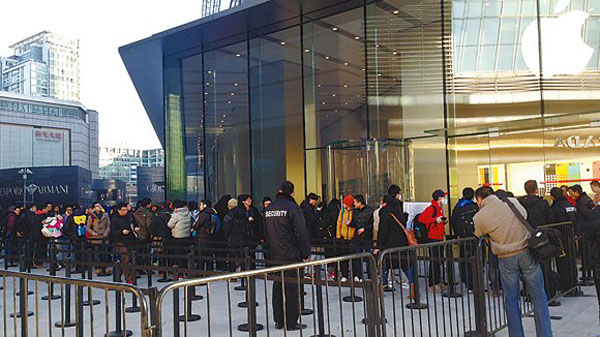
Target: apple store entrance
x,y
368,167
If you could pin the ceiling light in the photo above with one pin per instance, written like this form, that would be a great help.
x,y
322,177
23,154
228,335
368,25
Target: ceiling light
x,y
377,46
333,95
207,83
327,57
238,55
236,84
210,71
357,37
222,121
307,50
233,94
345,63
394,53
319,85
335,29
282,43
345,86
323,103
224,116
363,69
228,102
379,74
345,103
396,12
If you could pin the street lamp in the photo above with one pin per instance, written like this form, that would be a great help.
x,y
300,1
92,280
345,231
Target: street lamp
x,y
31,189
25,171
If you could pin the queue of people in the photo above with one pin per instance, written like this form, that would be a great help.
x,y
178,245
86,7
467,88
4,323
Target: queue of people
x,y
288,230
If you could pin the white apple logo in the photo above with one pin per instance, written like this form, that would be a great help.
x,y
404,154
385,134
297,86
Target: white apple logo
x,y
563,50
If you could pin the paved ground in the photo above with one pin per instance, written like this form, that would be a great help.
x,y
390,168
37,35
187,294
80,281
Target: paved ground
x,y
443,317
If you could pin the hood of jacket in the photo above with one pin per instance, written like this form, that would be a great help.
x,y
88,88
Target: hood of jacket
x,y
465,202
182,212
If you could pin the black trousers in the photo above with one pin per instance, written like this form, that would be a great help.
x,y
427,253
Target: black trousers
x,y
435,266
292,310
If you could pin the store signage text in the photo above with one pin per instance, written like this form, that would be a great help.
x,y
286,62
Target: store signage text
x,y
44,190
577,142
154,188
48,136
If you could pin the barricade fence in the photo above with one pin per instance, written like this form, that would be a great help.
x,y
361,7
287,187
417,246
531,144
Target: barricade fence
x,y
449,288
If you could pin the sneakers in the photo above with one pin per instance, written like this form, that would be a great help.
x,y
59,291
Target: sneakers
x,y
331,276
357,279
292,327
405,284
344,279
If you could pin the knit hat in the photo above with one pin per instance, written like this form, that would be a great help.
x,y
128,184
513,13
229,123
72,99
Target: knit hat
x,y
349,201
232,203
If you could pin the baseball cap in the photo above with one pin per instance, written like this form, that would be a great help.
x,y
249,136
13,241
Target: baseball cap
x,y
438,193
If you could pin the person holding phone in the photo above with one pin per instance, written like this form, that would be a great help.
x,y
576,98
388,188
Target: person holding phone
x,y
434,219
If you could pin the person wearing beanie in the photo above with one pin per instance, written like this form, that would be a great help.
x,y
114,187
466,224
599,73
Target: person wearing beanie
x,y
345,230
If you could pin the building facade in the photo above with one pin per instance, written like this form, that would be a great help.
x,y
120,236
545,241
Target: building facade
x,y
37,132
46,65
349,96
123,164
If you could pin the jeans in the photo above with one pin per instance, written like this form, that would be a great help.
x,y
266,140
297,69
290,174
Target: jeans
x,y
511,270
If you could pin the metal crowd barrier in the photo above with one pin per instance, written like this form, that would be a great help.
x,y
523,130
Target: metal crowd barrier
x,y
36,317
349,307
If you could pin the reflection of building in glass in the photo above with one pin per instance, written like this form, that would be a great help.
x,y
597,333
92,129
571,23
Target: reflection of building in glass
x,y
45,64
122,164
37,131
322,97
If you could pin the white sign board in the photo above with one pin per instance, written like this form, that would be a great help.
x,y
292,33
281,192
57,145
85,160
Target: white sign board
x,y
414,208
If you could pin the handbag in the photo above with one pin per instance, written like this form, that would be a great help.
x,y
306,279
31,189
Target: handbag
x,y
410,235
544,244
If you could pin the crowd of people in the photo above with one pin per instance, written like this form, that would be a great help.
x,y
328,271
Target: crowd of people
x,y
288,229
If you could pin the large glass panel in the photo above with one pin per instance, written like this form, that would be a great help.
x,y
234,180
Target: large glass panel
x,y
276,112
405,83
226,121
193,93
334,78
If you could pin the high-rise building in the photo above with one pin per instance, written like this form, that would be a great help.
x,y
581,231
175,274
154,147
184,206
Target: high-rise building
x,y
45,64
122,164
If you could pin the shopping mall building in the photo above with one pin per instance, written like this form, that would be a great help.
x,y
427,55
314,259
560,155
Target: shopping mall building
x,y
350,96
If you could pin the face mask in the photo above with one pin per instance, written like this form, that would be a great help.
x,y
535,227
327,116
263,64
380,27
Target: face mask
x,y
444,201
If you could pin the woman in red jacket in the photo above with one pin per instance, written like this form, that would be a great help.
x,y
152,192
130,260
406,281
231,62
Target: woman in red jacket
x,y
435,220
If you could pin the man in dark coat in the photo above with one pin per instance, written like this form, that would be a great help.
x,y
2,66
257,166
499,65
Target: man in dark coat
x,y
538,210
362,220
123,229
288,241
463,226
312,215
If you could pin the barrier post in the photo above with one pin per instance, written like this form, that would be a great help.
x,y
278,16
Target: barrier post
x,y
51,296
67,322
118,306
176,316
479,293
251,327
320,310
192,296
79,311
90,271
23,293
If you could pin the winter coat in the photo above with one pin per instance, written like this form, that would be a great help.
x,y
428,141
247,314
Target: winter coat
x,y
538,210
77,219
345,231
158,225
585,205
180,223
507,233
563,211
312,217
463,206
100,224
142,216
435,231
287,235
363,218
390,234
119,223
203,224
236,226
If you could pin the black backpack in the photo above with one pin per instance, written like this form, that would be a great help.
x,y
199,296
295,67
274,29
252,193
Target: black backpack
x,y
421,228
465,226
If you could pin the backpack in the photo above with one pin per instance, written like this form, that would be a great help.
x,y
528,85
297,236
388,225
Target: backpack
x,y
465,226
80,223
215,224
421,228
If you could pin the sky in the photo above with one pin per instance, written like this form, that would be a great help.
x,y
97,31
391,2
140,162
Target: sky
x,y
102,27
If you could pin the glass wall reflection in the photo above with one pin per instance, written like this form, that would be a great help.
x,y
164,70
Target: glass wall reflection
x,y
226,121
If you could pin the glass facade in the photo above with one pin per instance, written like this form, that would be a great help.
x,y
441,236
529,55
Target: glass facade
x,y
425,94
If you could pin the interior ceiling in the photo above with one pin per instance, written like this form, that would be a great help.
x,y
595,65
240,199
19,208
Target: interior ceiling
x,y
340,69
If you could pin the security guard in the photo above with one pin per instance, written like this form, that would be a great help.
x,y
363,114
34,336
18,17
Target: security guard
x,y
288,241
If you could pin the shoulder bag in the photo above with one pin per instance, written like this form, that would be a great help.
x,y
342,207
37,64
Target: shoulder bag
x,y
544,244
410,235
